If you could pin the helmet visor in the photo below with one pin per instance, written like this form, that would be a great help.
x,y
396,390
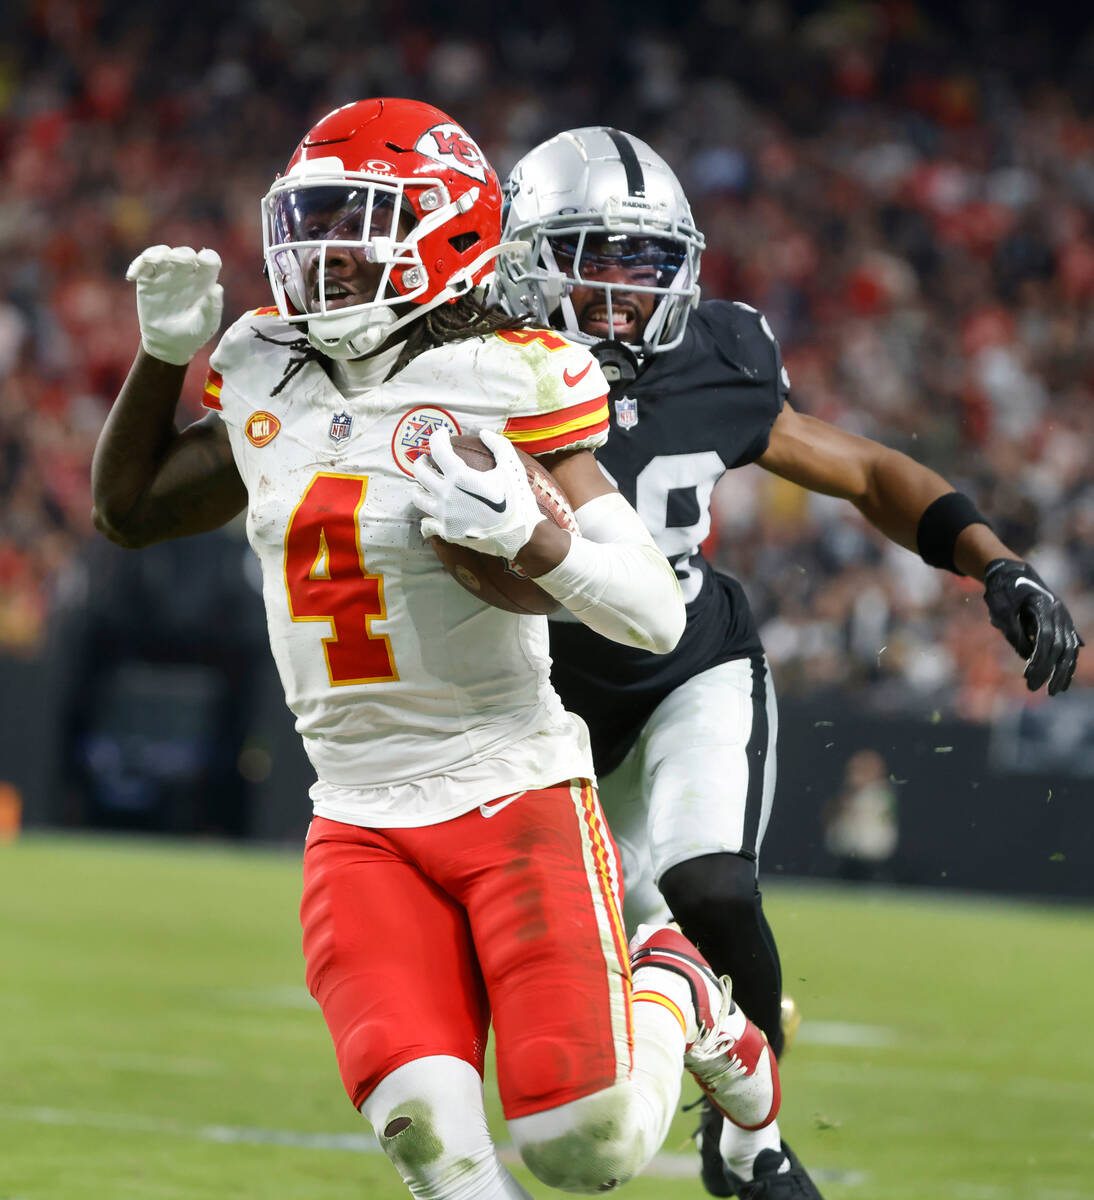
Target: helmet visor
x,y
354,214
626,285
332,246
641,261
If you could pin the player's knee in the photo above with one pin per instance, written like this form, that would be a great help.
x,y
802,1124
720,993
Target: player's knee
x,y
713,887
411,1138
590,1145
429,1120
433,1159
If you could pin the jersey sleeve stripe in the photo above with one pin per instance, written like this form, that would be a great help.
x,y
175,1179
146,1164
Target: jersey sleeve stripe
x,y
545,423
211,396
581,434
270,311
560,436
589,439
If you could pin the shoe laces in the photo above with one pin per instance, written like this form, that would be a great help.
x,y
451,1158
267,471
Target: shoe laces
x,y
716,1046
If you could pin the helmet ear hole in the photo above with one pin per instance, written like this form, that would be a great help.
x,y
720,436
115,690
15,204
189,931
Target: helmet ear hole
x,y
462,242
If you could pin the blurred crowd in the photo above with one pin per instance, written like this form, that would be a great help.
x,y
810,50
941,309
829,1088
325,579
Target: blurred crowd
x,y
910,202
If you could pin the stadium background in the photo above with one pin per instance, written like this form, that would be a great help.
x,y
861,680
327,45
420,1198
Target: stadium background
x,y
907,191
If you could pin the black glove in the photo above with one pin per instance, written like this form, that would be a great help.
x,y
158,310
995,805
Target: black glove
x,y
1034,621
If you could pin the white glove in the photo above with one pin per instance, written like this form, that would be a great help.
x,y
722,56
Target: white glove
x,y
493,511
179,301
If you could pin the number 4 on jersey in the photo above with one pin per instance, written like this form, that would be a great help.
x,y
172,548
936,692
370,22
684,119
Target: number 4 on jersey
x,y
326,579
526,337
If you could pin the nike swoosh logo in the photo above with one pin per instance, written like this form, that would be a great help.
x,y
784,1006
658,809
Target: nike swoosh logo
x,y
495,505
574,380
492,810
1036,586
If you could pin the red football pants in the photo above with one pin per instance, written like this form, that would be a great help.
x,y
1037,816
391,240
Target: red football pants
x,y
414,937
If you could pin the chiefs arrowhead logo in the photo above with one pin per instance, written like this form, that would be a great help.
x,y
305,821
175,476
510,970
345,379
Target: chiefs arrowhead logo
x,y
449,145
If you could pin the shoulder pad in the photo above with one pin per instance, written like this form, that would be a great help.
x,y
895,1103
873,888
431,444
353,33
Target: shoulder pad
x,y
742,334
558,394
240,341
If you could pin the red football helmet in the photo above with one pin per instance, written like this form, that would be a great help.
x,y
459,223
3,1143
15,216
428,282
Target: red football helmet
x,y
386,210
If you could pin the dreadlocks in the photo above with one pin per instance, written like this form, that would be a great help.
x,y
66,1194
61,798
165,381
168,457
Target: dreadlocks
x,y
466,317
301,348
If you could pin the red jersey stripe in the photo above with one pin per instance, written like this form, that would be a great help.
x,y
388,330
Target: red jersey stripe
x,y
211,396
547,445
557,416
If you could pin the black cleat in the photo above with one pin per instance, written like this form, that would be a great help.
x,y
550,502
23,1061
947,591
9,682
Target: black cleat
x,y
769,1182
712,1170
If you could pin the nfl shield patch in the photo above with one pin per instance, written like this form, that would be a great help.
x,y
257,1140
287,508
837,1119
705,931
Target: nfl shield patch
x,y
626,412
340,425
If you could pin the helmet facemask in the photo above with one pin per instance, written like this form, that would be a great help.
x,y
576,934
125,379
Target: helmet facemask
x,y
322,224
601,210
617,259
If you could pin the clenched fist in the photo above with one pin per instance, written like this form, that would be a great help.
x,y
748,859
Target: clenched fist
x,y
179,301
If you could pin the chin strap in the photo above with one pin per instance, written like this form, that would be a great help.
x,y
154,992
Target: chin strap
x,y
665,311
464,279
618,362
352,335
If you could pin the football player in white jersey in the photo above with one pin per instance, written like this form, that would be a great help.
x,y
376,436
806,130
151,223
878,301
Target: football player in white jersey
x,y
684,742
457,869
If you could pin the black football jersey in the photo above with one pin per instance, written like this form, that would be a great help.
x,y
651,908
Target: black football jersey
x,y
692,414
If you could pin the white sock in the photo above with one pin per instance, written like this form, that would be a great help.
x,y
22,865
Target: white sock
x,y
672,988
658,1062
739,1147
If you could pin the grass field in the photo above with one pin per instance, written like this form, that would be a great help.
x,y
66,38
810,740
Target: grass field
x,y
156,1040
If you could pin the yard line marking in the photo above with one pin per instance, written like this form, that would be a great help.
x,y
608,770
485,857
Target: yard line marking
x,y
845,1033
285,995
360,1143
665,1165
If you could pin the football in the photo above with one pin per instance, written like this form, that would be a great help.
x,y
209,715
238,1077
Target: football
x,y
495,580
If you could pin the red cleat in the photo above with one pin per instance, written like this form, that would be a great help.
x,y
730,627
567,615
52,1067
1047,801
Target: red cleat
x,y
728,1056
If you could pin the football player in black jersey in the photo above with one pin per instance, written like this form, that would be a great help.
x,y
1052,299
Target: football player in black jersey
x,y
684,743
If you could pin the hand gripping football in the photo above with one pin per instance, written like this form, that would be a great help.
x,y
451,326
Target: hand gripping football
x,y
495,580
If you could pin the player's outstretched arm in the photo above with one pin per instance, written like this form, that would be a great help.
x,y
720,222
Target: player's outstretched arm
x,y
917,508
148,480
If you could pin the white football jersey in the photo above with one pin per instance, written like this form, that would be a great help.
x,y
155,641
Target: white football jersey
x,y
415,700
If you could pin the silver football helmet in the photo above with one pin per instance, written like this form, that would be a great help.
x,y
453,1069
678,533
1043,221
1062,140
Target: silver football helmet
x,y
602,211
